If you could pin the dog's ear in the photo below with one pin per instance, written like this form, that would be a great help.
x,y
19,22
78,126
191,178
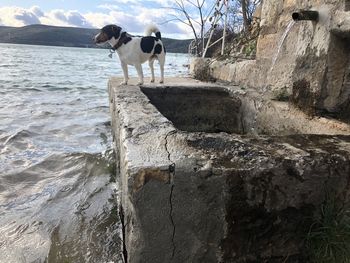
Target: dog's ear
x,y
112,31
116,31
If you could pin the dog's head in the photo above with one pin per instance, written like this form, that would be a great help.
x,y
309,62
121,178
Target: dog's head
x,y
107,33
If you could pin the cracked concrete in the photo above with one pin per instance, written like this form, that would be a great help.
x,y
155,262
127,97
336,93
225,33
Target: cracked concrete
x,y
197,196
172,172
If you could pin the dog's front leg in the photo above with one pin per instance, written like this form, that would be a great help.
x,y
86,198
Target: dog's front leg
x,y
150,63
140,73
161,60
125,72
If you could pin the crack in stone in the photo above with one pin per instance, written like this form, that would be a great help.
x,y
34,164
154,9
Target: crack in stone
x,y
171,181
172,221
122,220
166,143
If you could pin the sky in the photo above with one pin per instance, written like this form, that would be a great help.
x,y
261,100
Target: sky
x,y
132,15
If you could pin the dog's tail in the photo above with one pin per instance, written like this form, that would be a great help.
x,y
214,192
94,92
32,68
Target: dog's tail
x,y
153,29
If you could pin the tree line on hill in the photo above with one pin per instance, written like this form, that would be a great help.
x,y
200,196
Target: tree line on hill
x,y
69,37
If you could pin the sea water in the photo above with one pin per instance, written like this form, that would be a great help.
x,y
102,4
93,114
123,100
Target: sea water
x,y
57,183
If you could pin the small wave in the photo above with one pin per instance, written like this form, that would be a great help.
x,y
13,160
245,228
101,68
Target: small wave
x,y
7,66
102,107
19,135
58,88
45,113
47,86
26,202
6,81
71,194
82,88
57,178
52,87
33,89
68,82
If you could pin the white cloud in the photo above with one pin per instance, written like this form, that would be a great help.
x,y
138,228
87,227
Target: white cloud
x,y
133,22
27,17
36,11
15,16
59,17
110,7
75,18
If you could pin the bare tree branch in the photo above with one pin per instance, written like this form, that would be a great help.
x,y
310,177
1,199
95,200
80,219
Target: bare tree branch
x,y
198,15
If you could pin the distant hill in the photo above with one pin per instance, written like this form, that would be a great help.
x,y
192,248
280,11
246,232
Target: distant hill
x,y
68,37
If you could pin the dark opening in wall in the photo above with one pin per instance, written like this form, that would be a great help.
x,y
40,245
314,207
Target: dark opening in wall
x,y
345,106
198,109
347,5
336,91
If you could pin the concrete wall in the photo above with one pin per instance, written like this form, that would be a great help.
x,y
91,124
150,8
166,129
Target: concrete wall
x,y
312,63
217,197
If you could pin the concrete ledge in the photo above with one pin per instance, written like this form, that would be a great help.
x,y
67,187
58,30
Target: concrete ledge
x,y
219,197
244,73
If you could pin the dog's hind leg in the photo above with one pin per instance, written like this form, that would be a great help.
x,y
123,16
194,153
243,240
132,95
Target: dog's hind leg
x,y
161,59
125,72
150,63
140,73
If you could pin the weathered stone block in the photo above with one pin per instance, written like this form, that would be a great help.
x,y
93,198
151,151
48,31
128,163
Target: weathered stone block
x,y
212,196
341,24
264,46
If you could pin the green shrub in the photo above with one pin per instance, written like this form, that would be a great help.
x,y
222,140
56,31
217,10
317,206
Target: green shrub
x,y
328,240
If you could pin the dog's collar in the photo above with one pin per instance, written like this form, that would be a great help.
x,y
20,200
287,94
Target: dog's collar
x,y
124,38
118,45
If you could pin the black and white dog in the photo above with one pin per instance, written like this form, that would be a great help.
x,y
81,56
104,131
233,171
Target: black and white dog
x,y
135,50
